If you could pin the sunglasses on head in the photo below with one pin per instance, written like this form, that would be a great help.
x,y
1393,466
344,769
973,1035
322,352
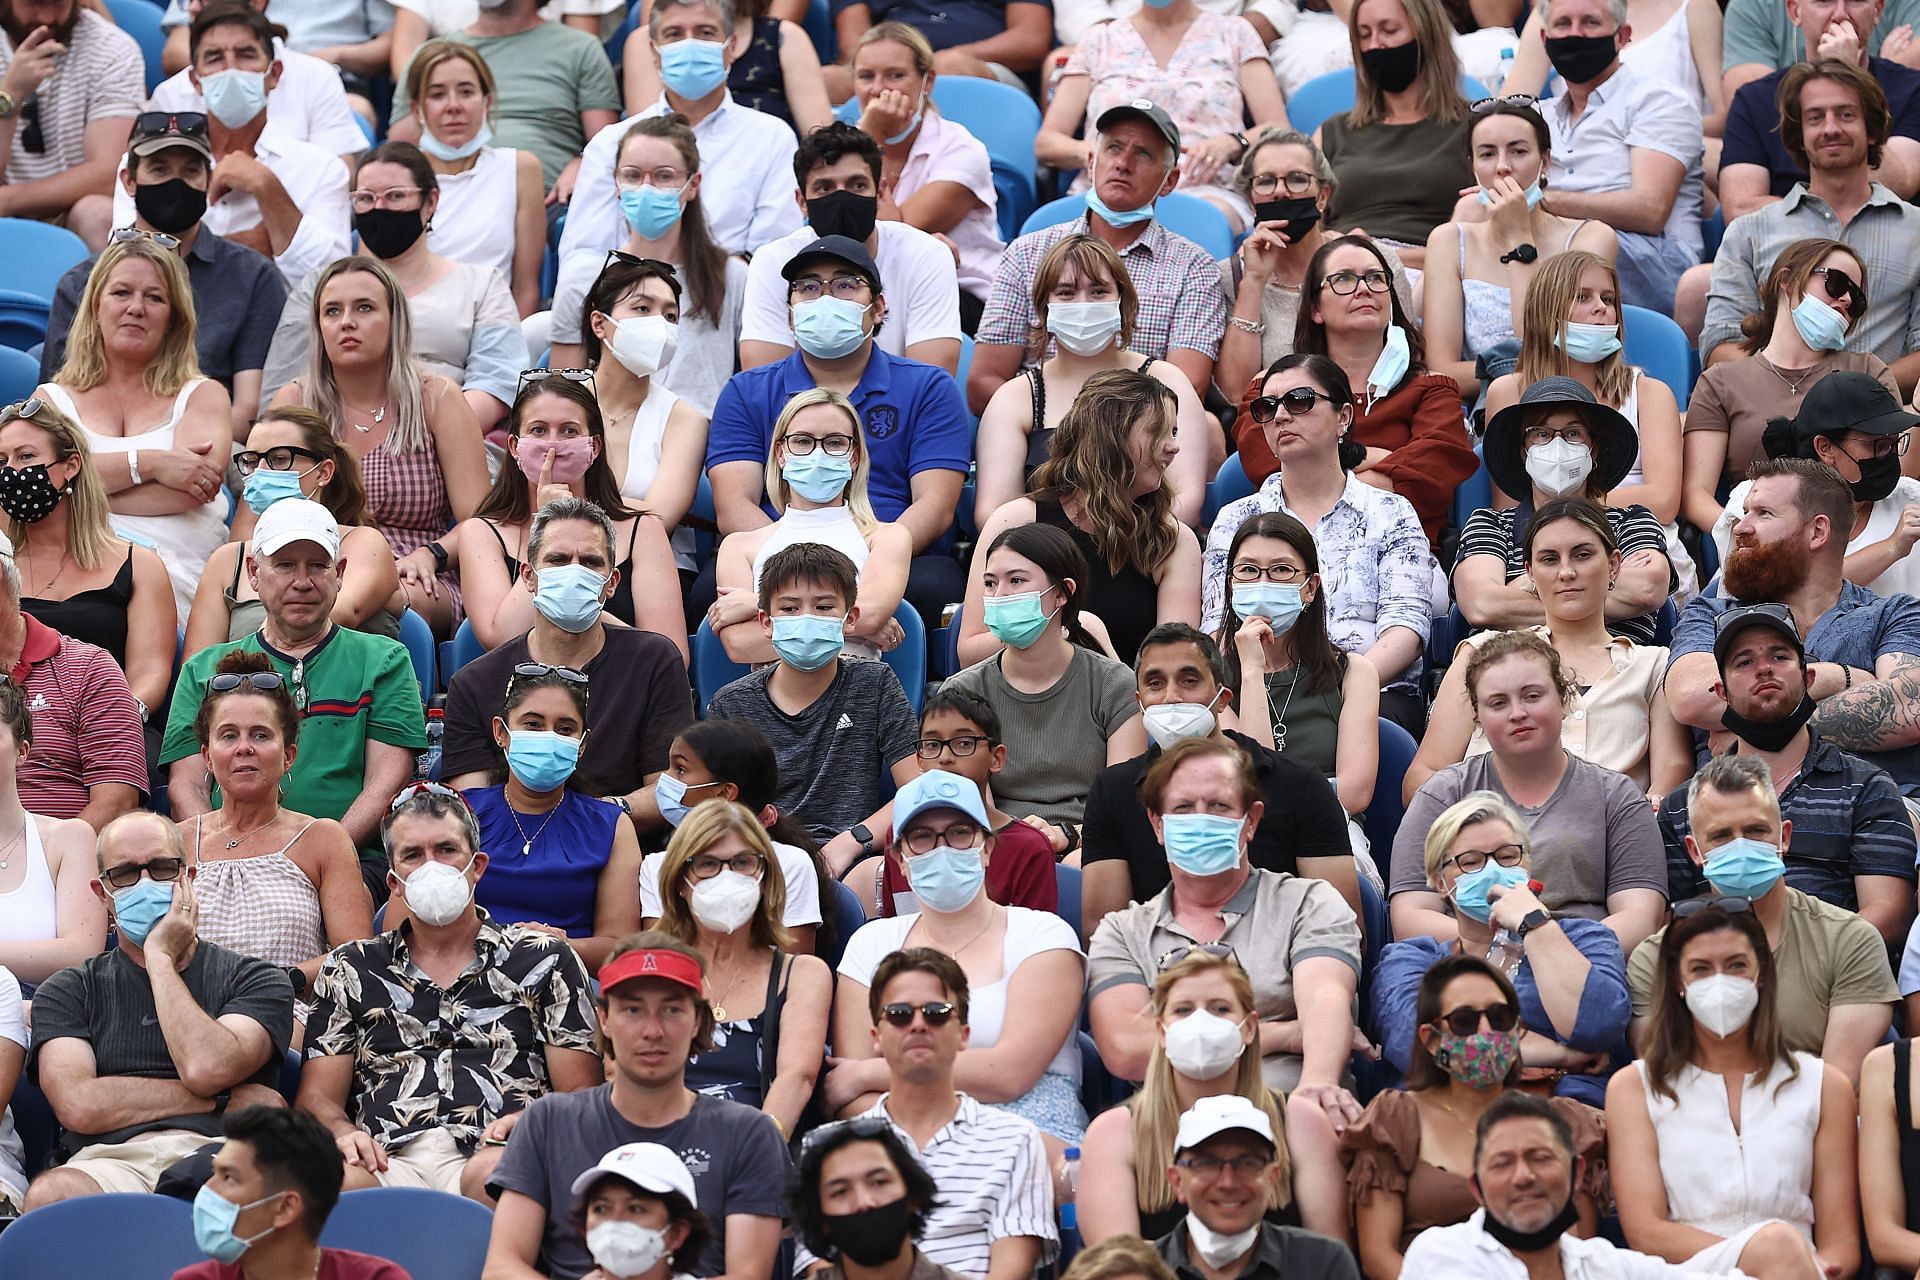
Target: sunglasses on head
x,y
414,789
635,260
1218,950
1480,106
1464,1021
187,124
859,1127
937,1013
228,681
125,234
1733,905
27,408
530,377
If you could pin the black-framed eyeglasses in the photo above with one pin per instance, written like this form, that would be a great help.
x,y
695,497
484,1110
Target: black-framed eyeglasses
x,y
1248,1167
1297,183
278,458
1346,283
960,834
706,866
185,124
32,140
413,790
528,377
228,681
1466,1020
937,1013
127,874
28,408
1471,860
800,444
859,1127
1218,950
1888,446
1480,106
964,744
1841,287
1732,904
123,235
1247,571
1295,400
844,287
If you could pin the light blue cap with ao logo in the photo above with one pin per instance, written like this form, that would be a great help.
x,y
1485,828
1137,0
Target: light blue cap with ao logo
x,y
938,789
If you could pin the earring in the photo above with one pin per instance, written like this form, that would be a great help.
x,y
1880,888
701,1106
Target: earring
x,y
1612,583
1442,1056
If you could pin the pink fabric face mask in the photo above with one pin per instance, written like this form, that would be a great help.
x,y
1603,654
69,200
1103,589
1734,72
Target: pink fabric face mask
x,y
571,458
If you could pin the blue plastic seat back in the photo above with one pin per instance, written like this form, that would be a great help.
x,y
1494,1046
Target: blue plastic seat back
x,y
19,375
1006,121
1233,481
909,658
1309,106
712,667
1382,818
141,20
818,25
109,1235
1066,882
418,637
1658,345
1181,214
851,915
34,255
432,1235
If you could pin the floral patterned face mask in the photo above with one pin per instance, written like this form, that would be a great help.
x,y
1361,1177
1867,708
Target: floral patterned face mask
x,y
1481,1060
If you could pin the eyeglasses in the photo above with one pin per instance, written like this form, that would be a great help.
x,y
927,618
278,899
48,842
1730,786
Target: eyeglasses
x,y
1471,860
963,745
1346,282
1840,287
127,874
937,1013
1218,950
1247,571
127,234
1733,905
664,177
1296,401
185,124
228,681
32,140
801,444
958,835
705,866
530,376
278,458
1465,1020
846,288
1480,106
391,198
1214,1166
1889,446
28,408
1547,435
1297,183
414,790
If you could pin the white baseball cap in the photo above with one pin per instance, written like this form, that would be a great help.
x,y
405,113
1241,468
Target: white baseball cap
x,y
647,1165
293,520
1212,1116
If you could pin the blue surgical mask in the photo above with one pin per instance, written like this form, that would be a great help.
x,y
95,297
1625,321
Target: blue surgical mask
x,y
828,328
1534,194
818,476
541,760
670,797
1820,325
920,112
1202,844
568,596
651,211
264,488
808,641
1017,620
1278,602
693,68
472,146
1588,343
1114,217
1395,359
213,1219
234,98
1745,868
138,908
946,879
1470,890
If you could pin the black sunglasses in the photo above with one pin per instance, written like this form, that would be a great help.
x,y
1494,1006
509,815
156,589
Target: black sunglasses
x,y
32,140
859,1127
1464,1021
528,377
228,681
1733,905
186,124
1297,401
635,260
937,1013
159,870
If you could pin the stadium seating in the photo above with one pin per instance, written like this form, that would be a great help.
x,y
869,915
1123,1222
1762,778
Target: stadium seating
x,y
431,1234
1658,345
33,257
141,20
1181,214
108,1235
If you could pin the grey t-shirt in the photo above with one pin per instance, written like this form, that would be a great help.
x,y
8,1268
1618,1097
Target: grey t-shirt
x,y
1056,740
736,1156
107,1001
1596,835
833,753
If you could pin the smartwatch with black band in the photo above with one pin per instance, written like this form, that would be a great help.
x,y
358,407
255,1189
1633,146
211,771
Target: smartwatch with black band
x,y
1521,253
1538,918
860,832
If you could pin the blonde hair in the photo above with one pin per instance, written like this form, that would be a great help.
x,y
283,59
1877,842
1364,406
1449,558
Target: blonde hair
x,y
902,34
427,60
1475,806
405,391
858,505
1550,296
174,365
698,832
1119,1258
1438,79
1156,1108
90,530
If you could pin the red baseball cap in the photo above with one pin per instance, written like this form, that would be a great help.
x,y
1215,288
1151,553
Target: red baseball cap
x,y
669,966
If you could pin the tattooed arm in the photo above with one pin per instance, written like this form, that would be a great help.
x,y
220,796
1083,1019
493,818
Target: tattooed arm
x,y
1879,715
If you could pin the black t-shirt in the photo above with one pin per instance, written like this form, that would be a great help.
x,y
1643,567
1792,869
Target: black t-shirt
x,y
1303,818
638,698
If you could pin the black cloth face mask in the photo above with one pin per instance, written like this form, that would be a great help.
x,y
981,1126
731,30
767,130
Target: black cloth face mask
x,y
1878,476
1774,735
1531,1241
170,207
1581,59
871,1237
1394,67
1299,215
388,233
26,494
843,213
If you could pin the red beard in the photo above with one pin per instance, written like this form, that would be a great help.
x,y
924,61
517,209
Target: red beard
x,y
1765,571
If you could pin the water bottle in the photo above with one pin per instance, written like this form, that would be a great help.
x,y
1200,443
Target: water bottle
x,y
1506,69
1507,951
427,764
1070,1175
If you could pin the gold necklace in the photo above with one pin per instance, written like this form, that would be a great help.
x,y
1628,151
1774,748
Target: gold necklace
x,y
719,1002
235,841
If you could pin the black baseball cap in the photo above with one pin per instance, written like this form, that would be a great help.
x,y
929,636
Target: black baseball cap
x,y
837,249
1776,617
1141,109
1838,402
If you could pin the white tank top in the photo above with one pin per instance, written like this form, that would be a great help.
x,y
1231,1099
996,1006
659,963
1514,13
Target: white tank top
x,y
1665,55
1630,410
28,912
830,526
475,220
646,440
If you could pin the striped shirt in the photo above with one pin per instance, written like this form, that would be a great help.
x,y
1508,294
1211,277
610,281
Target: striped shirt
x,y
71,683
1848,820
1494,532
99,77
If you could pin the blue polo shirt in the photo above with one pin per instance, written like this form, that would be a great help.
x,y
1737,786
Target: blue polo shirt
x,y
913,415
945,23
1753,121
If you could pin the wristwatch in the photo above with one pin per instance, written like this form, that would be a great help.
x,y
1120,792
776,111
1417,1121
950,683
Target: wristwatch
x,y
1537,918
860,832
439,554
1522,253
8,107
1240,138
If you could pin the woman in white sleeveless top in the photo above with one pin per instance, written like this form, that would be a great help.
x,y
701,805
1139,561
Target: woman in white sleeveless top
x,y
817,475
160,432
49,916
1726,1148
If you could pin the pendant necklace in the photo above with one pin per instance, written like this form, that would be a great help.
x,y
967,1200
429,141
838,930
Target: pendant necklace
x,y
526,841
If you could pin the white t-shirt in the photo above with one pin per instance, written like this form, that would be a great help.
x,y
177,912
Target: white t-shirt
x,y
444,17
1903,575
1029,933
917,274
13,1026
803,890
309,102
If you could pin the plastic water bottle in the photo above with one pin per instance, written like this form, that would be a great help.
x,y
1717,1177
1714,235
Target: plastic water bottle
x,y
1070,1174
427,763
1506,952
1506,69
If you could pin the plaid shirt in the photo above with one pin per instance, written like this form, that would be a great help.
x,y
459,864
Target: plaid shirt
x,y
457,1059
1181,301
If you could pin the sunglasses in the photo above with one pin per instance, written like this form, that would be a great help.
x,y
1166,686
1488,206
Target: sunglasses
x,y
1733,905
186,124
228,681
572,675
161,238
937,1013
859,1127
1464,1021
1840,287
32,140
413,790
529,377
1296,402
1481,106
127,875
635,260
28,408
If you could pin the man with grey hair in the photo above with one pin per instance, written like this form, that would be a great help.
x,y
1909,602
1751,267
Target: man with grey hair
x,y
141,1049
428,1099
362,724
746,178
89,758
1626,150
638,694
1835,989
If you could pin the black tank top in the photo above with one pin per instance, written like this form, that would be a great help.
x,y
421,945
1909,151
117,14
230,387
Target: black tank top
x,y
1903,1118
1127,601
97,617
1040,438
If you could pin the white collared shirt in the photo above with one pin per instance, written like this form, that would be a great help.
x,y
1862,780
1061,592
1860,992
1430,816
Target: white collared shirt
x,y
308,104
746,183
1594,151
916,274
1464,1250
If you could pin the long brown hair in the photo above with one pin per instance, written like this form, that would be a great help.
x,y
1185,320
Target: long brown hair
x,y
702,262
1310,335
1438,77
1550,296
1092,462
1792,272
1669,1046
1422,1071
510,500
1093,258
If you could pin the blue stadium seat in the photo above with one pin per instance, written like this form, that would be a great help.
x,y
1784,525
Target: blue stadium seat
x,y
459,651
1309,106
818,24
1383,815
851,915
33,1120
432,1235
1006,121
110,1235
141,20
1232,482
1658,345
19,374
950,650
1663,625
418,637
712,668
33,257
616,44
1066,882
1182,214
1474,494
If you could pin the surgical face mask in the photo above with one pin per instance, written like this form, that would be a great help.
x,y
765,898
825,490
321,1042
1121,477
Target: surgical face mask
x,y
137,908
437,892
946,879
1535,194
171,206
213,1219
264,488
1084,328
919,112
235,97
1744,868
571,458
1115,217
1203,1046
644,345
1017,620
724,902
693,68
27,493
1470,890
1481,1060
829,328
818,476
625,1248
472,146
809,641
651,211
1588,343
1722,1002
541,760
670,797
1278,602
1395,359
1217,1249
1202,844
1559,466
1820,326
843,213
569,596
1171,722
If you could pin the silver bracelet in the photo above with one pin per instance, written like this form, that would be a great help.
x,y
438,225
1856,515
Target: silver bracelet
x,y
1257,328
133,465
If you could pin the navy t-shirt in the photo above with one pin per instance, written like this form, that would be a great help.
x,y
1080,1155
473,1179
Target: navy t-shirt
x,y
945,23
1753,121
